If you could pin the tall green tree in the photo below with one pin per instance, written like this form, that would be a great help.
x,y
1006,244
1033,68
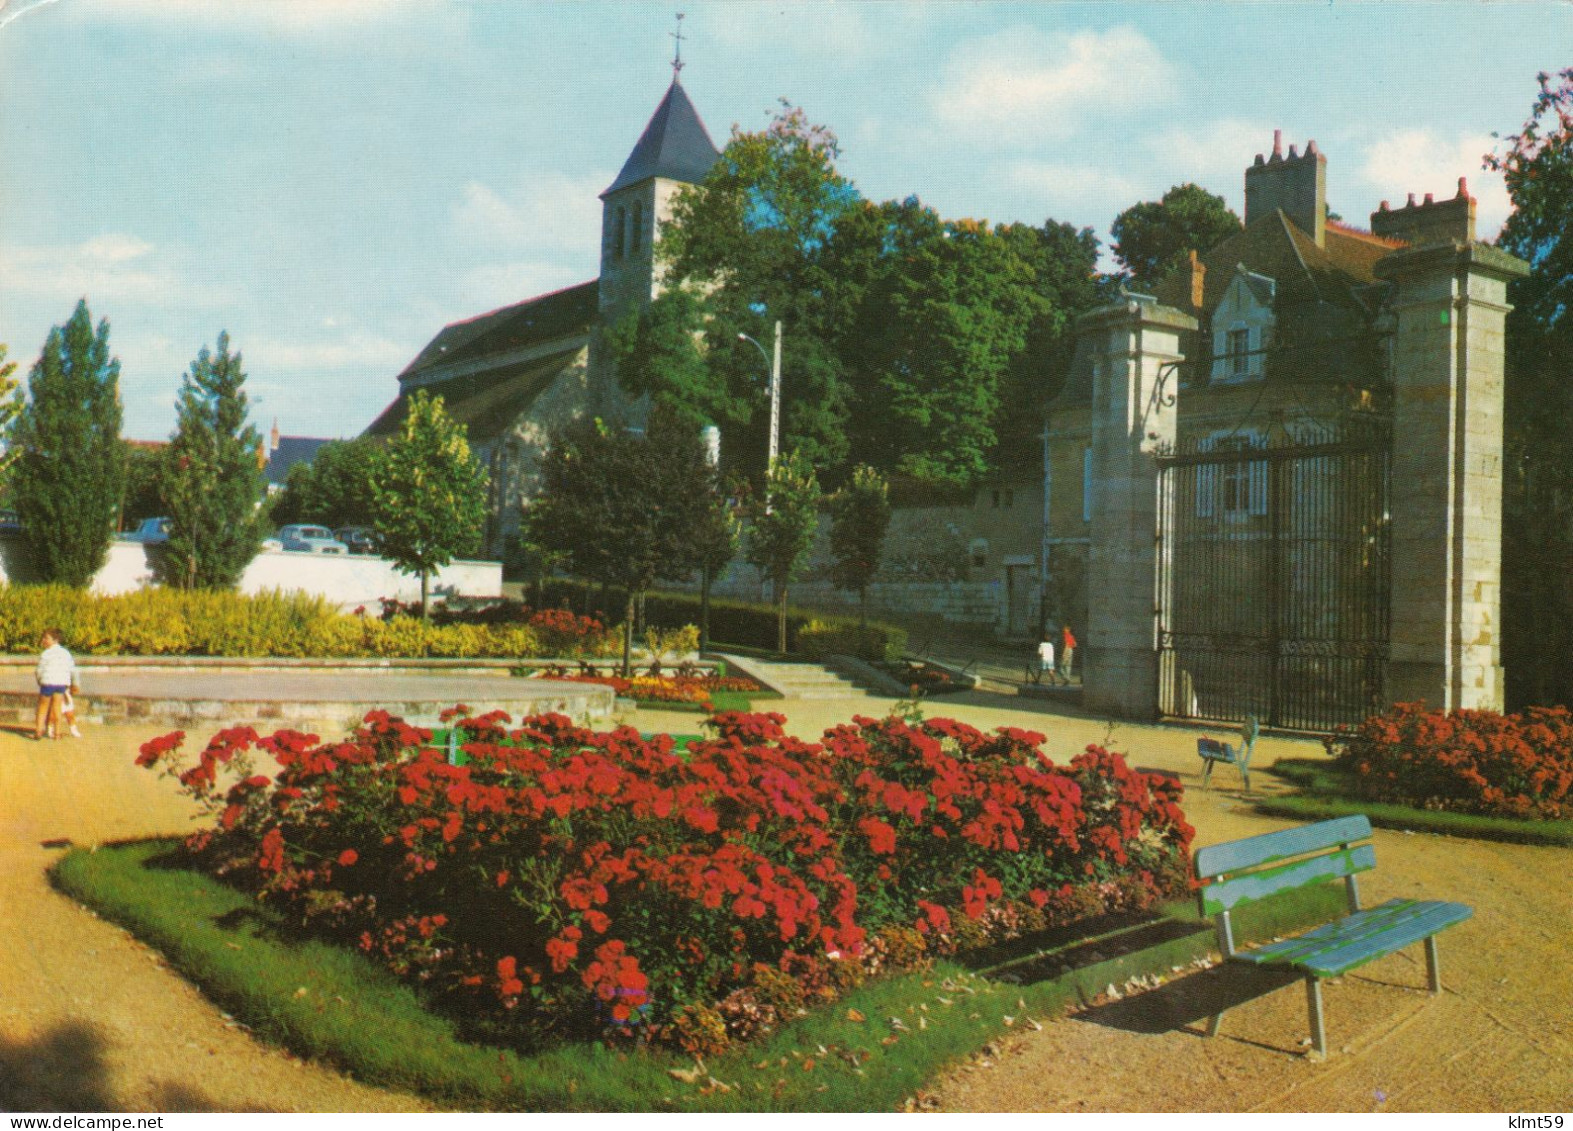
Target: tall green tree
x,y
715,543
622,507
860,518
1537,528
429,493
333,489
70,465
660,353
1153,238
11,404
752,239
782,522
210,477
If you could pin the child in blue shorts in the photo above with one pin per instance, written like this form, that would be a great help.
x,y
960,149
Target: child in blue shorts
x,y
56,675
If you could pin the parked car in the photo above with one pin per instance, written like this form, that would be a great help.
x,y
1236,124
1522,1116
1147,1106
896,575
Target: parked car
x,y
149,532
302,539
360,539
10,522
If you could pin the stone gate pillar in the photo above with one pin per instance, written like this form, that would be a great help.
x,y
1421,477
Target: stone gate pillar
x,y
1449,306
1134,393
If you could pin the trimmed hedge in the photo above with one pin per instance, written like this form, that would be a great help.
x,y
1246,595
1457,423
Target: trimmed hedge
x,y
750,624
171,622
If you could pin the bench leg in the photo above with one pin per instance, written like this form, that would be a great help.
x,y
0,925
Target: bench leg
x,y
1245,773
1215,1024
1313,997
1433,966
1207,772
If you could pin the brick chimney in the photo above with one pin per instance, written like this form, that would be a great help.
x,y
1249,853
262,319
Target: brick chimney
x,y
1297,184
1446,221
1198,271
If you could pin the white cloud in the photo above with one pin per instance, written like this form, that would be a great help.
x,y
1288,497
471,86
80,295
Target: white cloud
x,y
492,285
114,266
545,211
279,16
358,351
840,29
1022,83
1421,161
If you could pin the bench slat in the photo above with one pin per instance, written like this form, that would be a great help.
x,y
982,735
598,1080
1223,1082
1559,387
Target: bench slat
x,y
1337,948
1238,854
1226,895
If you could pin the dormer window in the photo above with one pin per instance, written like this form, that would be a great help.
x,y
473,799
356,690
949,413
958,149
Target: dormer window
x,y
1243,327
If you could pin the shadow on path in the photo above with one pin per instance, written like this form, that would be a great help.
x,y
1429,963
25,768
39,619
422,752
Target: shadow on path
x,y
1187,1003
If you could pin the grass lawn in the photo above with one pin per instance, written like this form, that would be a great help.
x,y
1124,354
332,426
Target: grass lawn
x,y
332,1004
1327,792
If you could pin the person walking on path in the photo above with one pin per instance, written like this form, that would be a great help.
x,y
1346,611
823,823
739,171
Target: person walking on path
x,y
56,675
1045,659
1067,650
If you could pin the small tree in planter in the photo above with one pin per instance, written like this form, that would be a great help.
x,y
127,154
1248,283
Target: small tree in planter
x,y
781,526
860,513
621,507
430,493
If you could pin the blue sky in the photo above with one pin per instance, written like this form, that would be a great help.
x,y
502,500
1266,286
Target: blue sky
x,y
334,180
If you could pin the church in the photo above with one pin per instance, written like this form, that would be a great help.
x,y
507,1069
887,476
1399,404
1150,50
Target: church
x,y
515,374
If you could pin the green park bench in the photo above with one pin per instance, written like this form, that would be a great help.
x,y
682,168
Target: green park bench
x,y
1212,752
1241,872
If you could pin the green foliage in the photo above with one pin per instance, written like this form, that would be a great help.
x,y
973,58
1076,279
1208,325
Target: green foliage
x,y
860,517
875,642
69,475
1154,237
429,493
659,353
144,489
334,489
781,526
622,507
11,406
172,622
1537,503
210,478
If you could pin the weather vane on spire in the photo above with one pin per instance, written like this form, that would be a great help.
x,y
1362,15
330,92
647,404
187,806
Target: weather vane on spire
x,y
677,59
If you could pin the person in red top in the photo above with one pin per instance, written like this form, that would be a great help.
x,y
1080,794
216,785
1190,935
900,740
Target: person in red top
x,y
1067,649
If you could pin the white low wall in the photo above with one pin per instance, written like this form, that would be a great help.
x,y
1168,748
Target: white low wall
x,y
347,580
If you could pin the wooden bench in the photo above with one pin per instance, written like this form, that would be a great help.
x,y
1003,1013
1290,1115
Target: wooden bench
x,y
1212,752
1242,872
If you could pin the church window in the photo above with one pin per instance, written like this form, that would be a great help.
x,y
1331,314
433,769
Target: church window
x,y
636,233
619,234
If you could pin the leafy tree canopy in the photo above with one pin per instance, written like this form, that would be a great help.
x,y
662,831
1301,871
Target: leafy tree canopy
x,y
860,518
335,488
781,526
211,477
429,492
622,507
70,464
11,404
1153,238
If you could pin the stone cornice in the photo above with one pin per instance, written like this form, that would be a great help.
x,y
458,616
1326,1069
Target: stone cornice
x,y
1476,257
1133,313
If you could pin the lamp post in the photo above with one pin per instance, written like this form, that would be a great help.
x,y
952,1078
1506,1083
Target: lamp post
x,y
775,390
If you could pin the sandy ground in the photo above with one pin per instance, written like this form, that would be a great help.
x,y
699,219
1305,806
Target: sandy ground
x,y
90,1020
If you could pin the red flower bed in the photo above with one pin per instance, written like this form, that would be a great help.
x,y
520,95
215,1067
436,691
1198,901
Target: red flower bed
x,y
567,882
1465,761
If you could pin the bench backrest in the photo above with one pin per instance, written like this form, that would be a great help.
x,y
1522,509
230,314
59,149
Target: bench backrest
x,y
1241,872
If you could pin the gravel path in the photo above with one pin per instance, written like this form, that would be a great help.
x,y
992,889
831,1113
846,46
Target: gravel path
x,y
90,1020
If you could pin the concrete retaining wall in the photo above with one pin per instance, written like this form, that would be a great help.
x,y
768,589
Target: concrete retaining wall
x,y
347,580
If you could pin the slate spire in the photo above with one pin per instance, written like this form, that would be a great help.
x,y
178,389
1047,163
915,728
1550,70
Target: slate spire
x,y
675,145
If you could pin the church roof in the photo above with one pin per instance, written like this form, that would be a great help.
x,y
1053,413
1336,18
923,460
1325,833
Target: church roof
x,y
489,401
565,313
290,451
675,145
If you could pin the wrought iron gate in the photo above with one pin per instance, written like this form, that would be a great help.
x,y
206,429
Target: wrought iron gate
x,y
1274,578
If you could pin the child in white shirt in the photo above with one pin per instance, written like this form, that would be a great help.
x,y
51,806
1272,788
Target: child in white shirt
x,y
56,676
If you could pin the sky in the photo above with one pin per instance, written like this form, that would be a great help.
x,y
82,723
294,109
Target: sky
x,y
333,181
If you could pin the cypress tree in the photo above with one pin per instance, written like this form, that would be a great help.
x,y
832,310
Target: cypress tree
x,y
211,477
70,464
